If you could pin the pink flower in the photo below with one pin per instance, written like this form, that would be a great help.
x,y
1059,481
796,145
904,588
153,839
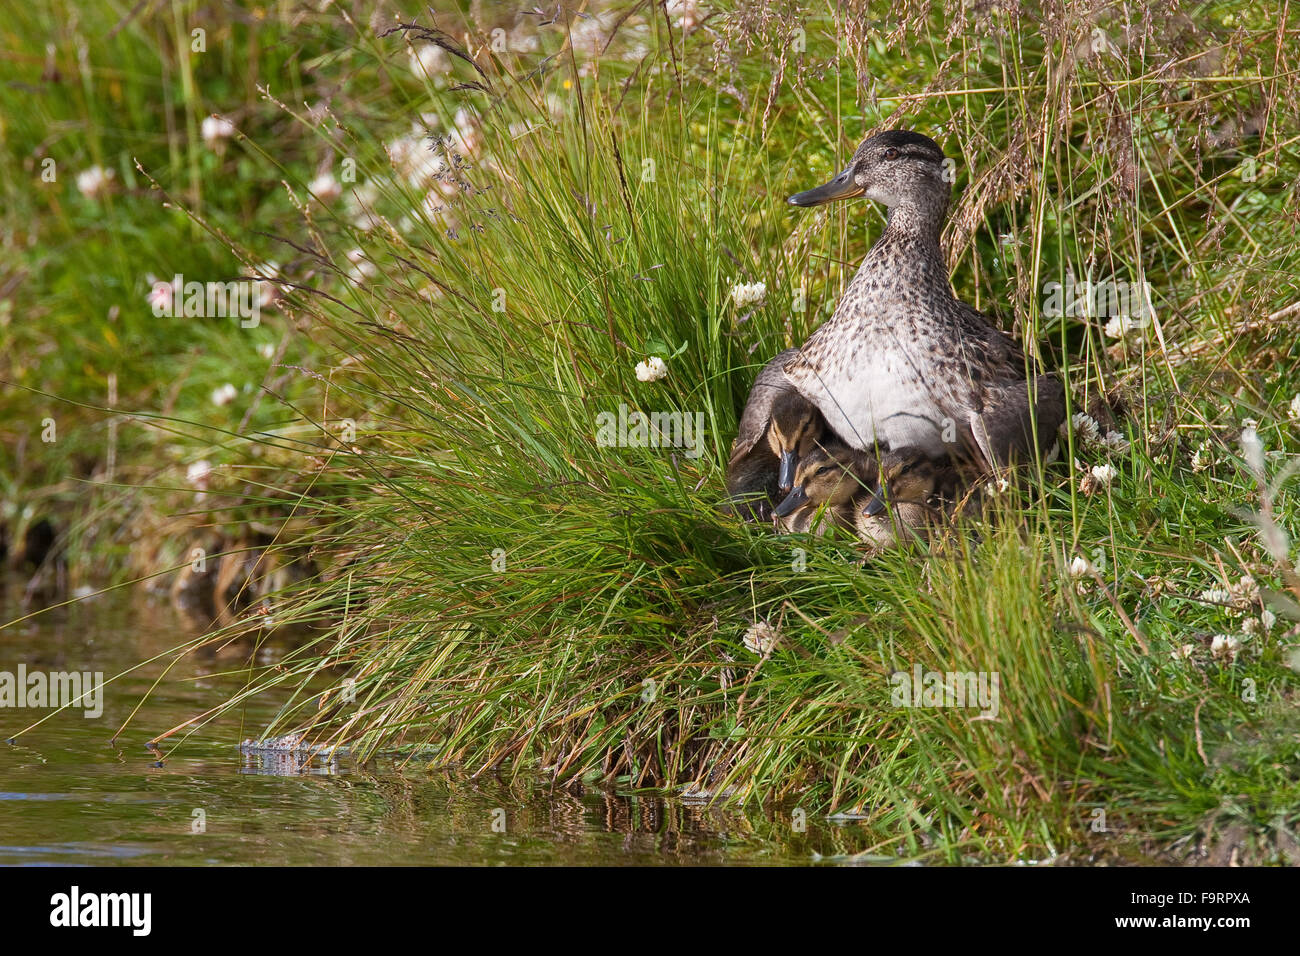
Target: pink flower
x,y
162,294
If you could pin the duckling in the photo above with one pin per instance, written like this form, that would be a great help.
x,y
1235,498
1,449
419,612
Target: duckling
x,y
904,362
829,481
777,426
908,480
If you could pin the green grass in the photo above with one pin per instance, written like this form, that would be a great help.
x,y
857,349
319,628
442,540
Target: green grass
x,y
520,599
119,86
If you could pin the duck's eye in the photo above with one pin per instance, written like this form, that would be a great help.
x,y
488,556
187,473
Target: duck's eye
x,y
891,153
825,469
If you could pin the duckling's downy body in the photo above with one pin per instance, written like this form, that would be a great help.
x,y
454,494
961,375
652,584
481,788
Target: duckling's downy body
x,y
777,426
903,362
901,506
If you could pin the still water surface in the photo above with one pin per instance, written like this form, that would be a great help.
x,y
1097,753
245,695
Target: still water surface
x,y
72,795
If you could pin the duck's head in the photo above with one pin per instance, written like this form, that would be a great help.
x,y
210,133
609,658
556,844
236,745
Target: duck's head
x,y
794,430
906,475
895,168
827,475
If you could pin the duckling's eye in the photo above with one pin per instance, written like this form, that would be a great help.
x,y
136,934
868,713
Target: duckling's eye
x,y
891,153
825,469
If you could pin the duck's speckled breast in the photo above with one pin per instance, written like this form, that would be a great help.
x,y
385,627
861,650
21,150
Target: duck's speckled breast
x,y
871,368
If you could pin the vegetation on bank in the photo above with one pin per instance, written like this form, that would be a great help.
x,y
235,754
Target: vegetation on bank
x,y
540,209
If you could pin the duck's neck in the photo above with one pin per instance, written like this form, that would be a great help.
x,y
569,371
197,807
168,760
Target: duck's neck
x,y
917,219
908,254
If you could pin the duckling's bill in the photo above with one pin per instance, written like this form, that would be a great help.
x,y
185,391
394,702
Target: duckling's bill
x,y
785,475
791,502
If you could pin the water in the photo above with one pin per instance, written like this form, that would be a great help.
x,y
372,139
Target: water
x,y
71,794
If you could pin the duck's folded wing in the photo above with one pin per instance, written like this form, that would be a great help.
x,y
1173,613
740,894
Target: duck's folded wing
x,y
1010,399
1014,414
998,354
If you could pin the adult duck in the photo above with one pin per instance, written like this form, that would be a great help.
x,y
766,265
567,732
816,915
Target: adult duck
x,y
903,361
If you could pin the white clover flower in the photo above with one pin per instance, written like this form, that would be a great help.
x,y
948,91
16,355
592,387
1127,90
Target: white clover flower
x,y
266,350
224,394
325,187
1085,427
997,486
467,130
400,148
1204,457
744,294
588,37
762,638
1273,537
1183,653
1103,474
1080,567
652,369
1119,327
1294,410
1267,618
214,129
95,182
1217,596
197,474
1116,443
411,154
1225,646
430,61
361,196
1246,591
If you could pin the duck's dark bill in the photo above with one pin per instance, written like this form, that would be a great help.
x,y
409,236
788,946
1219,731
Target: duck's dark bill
x,y
792,501
841,187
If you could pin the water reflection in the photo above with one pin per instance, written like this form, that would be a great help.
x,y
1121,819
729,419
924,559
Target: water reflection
x,y
81,791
